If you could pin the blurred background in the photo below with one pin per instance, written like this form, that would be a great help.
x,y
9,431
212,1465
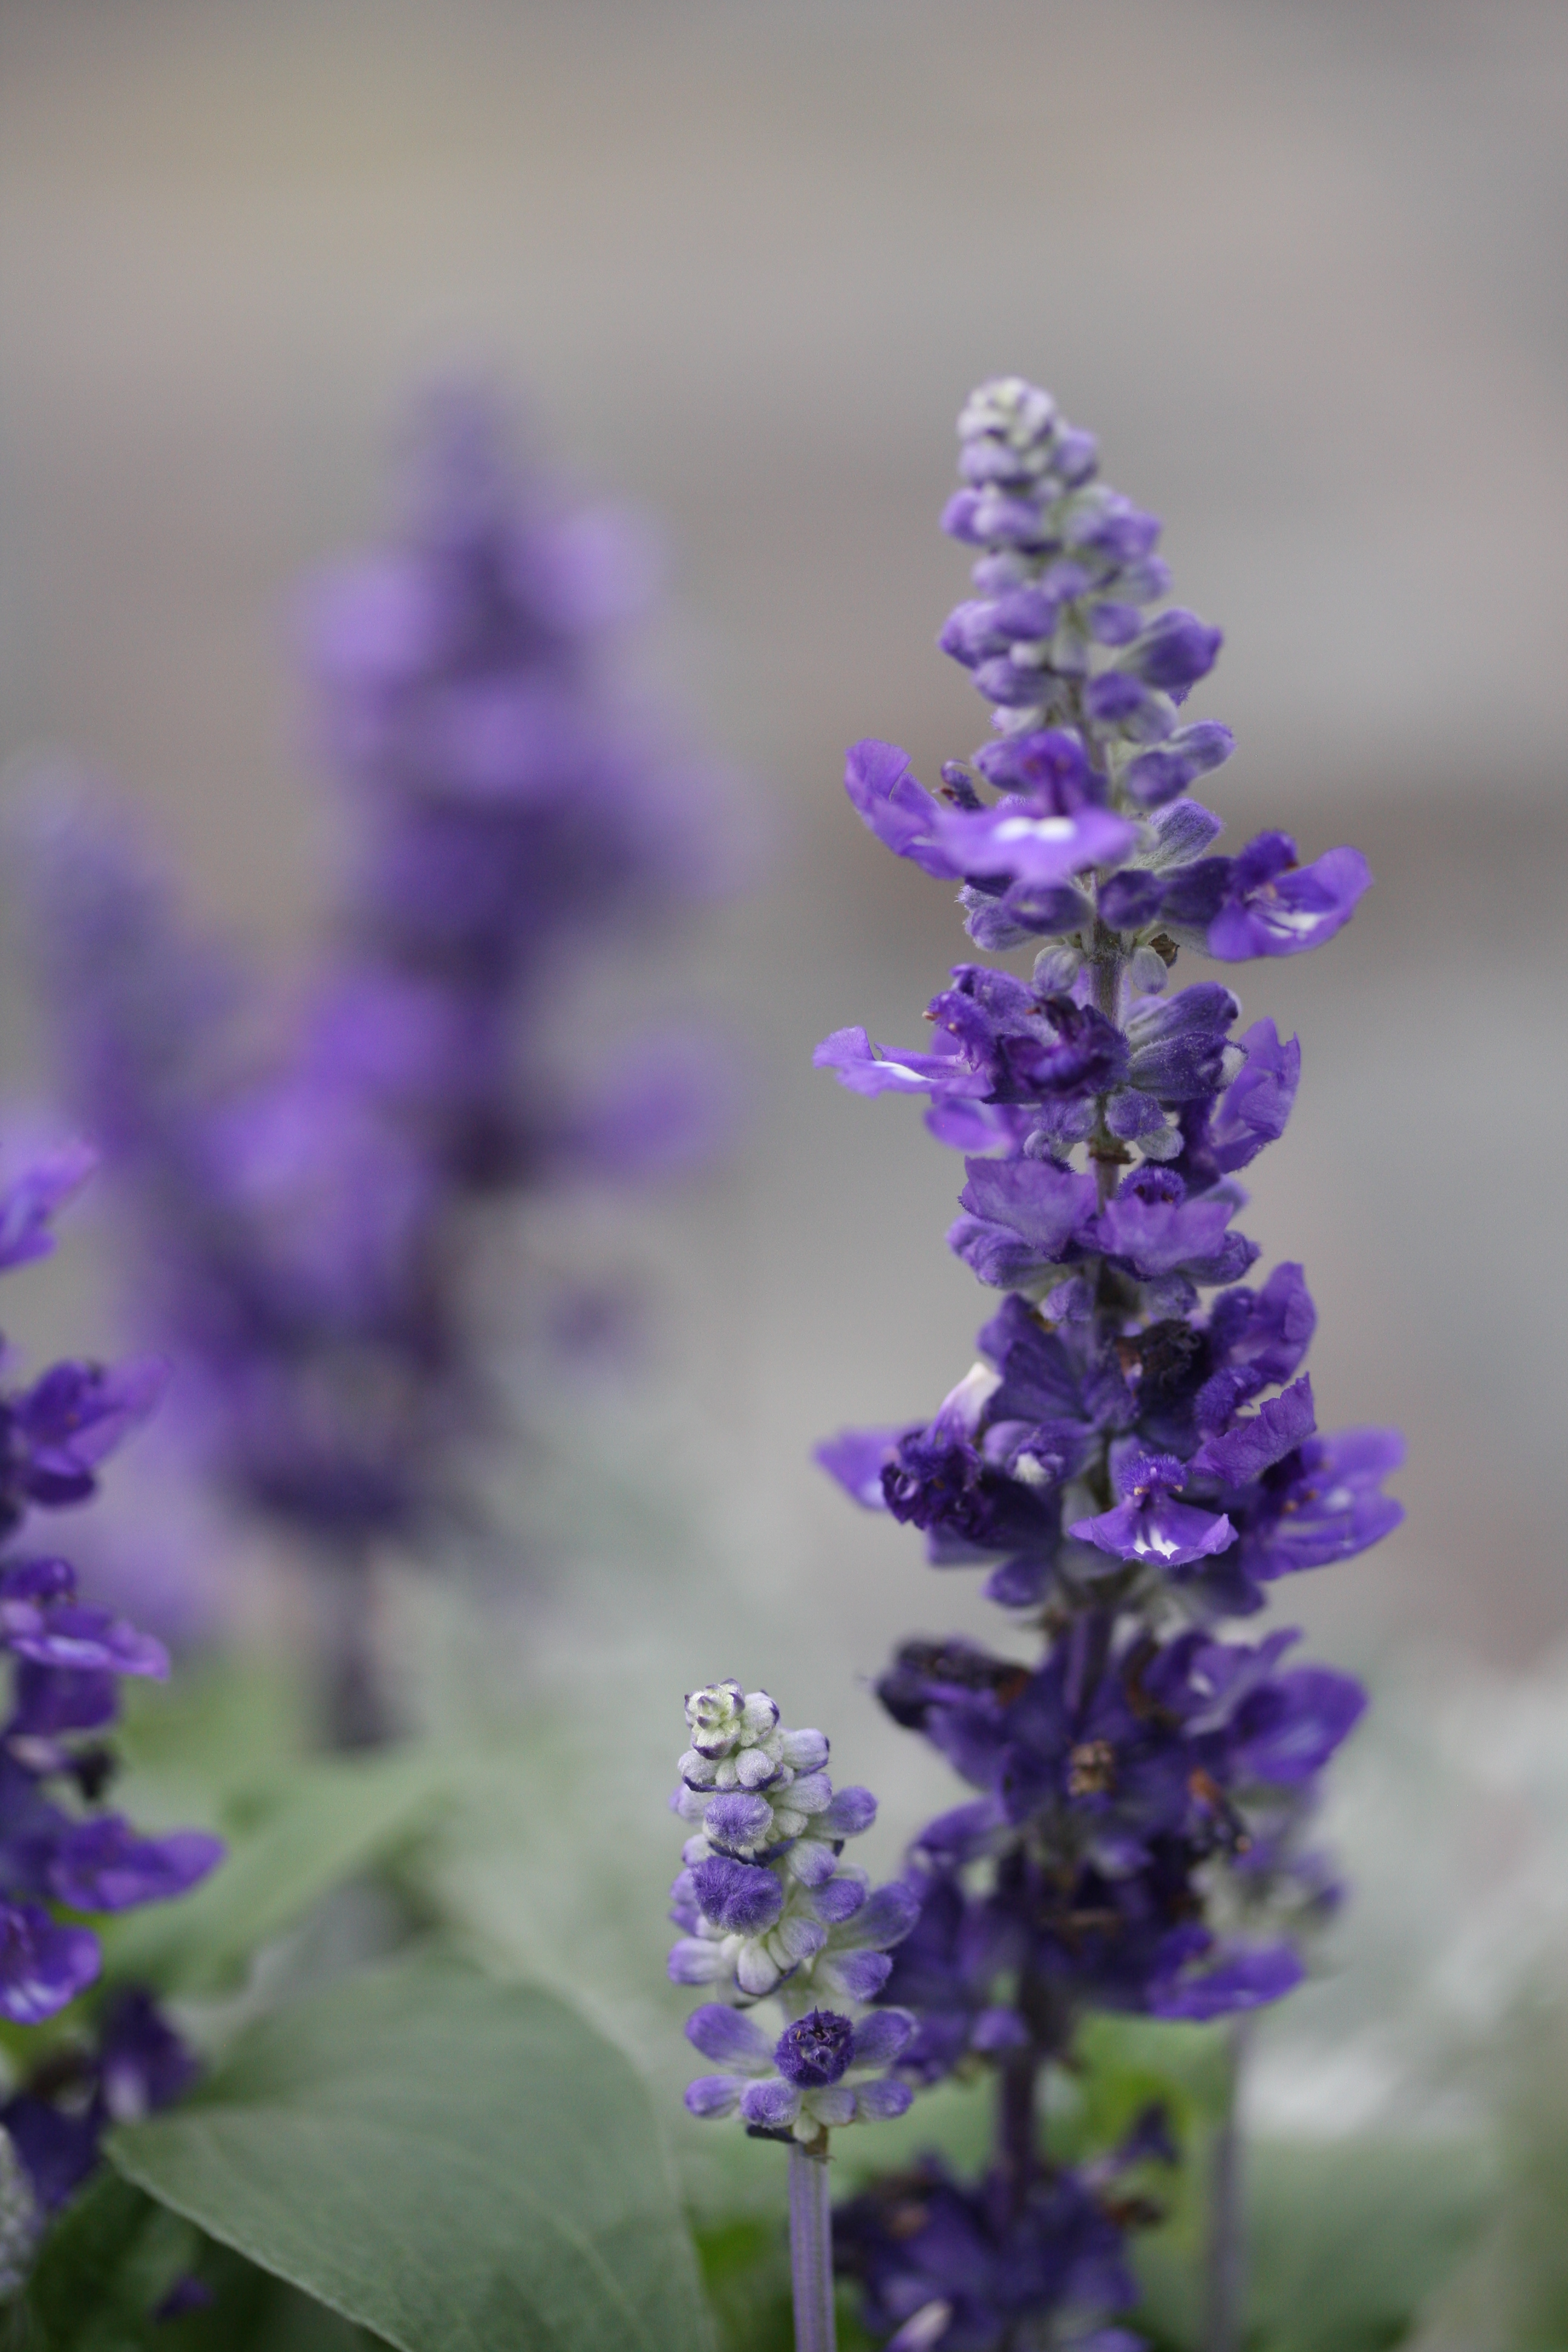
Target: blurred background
x,y
1299,264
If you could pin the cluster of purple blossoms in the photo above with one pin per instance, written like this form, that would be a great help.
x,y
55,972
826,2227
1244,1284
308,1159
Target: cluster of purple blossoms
x,y
304,1200
974,2269
769,1911
64,1857
1135,1457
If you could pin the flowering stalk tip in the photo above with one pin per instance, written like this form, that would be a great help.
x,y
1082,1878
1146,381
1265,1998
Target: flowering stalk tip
x,y
771,1912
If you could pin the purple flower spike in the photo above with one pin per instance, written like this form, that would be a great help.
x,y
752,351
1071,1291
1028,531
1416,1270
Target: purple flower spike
x,y
1129,1464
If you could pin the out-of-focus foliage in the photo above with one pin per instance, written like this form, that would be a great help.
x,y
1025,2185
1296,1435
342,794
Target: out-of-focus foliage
x,y
452,2162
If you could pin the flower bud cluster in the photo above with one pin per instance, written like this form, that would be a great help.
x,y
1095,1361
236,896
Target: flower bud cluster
x,y
768,1909
1060,632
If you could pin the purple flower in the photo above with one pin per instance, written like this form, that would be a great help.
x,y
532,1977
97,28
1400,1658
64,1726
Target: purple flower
x,y
823,2070
1263,903
1179,1047
1023,1215
103,1865
1173,652
1145,1523
43,1965
137,2066
1321,1503
891,804
56,1433
1237,1979
942,2265
1150,1224
1164,771
1029,845
31,1199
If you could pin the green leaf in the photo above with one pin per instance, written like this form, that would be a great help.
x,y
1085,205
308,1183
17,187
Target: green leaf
x,y
104,2268
1348,2239
324,1821
457,2165
108,2262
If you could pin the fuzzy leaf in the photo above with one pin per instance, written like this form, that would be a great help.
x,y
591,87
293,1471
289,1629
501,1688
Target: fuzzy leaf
x,y
458,2164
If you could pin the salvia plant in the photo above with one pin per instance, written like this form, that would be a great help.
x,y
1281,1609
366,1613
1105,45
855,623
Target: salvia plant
x,y
66,1856
1133,1459
305,1190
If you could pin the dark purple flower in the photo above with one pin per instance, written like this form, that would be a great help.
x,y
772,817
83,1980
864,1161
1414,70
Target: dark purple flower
x,y
1028,845
1146,1523
1150,1224
738,1897
103,1865
1024,1214
857,1458
1162,772
1179,1046
1323,1503
1254,1443
1237,1979
868,1069
1046,766
43,1965
136,2064
80,1640
942,2266
816,2050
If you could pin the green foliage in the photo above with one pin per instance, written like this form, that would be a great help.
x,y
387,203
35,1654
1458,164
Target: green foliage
x,y
106,2267
457,2165
745,2269
108,2263
1348,2239
290,1841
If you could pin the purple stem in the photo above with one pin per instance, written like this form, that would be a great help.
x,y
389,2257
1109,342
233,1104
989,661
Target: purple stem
x,y
811,2250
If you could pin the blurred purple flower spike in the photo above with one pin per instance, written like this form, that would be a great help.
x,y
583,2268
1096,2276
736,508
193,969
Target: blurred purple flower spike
x,y
302,1197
